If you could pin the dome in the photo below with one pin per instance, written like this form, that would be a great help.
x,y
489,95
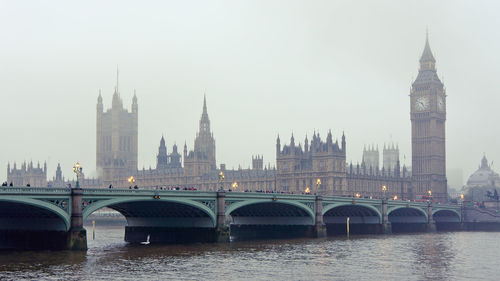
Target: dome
x,y
484,176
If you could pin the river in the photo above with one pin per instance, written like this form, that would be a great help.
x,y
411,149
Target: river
x,y
425,256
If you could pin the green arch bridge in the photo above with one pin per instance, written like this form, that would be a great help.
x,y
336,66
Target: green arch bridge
x,y
39,218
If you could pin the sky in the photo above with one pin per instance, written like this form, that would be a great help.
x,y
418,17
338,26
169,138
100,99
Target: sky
x,y
266,67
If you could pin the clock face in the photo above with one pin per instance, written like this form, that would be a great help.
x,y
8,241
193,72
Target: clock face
x,y
440,103
422,103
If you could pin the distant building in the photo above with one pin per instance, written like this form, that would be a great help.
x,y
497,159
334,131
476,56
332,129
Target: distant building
x,y
391,157
371,157
27,174
199,170
59,181
257,162
116,140
484,179
320,166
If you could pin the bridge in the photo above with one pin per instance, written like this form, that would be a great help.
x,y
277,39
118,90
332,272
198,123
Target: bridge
x,y
40,218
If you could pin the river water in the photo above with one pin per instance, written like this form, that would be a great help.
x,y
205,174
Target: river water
x,y
437,256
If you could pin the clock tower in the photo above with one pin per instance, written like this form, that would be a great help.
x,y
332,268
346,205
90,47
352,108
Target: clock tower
x,y
428,116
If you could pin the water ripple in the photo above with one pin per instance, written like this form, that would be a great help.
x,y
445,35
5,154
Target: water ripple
x,y
441,256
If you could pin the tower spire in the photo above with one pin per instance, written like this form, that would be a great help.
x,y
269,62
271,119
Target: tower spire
x,y
427,53
205,104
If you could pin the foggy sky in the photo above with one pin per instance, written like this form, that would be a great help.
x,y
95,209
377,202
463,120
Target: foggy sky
x,y
267,68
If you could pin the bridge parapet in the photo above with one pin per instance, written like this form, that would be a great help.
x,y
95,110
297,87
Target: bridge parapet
x,y
34,190
481,215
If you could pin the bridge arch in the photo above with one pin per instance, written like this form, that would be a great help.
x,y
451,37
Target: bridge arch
x,y
41,208
354,210
269,209
407,214
446,215
177,206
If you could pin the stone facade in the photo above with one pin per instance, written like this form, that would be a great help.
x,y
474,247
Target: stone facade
x,y
27,175
116,140
371,157
390,156
319,167
428,116
369,182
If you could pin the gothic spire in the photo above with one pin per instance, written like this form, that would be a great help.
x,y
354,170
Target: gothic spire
x,y
99,98
117,101
427,53
205,121
205,104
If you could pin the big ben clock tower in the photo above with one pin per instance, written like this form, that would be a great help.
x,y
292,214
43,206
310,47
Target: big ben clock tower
x,y
428,116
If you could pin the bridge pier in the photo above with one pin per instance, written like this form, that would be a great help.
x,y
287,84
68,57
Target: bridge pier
x,y
386,224
319,225
431,224
77,235
222,230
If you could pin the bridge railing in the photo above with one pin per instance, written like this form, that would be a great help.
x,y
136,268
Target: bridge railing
x,y
21,190
126,191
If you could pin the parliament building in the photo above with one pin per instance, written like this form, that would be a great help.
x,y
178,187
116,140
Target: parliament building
x,y
318,166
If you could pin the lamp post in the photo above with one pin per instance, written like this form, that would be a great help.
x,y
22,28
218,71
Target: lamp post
x,y
235,185
221,181
77,169
131,180
384,189
318,184
357,195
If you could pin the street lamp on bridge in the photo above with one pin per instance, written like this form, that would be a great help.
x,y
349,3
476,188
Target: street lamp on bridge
x,y
235,185
131,180
318,184
221,181
77,169
384,189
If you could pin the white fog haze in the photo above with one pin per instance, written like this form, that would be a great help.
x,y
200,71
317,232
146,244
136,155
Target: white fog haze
x,y
266,68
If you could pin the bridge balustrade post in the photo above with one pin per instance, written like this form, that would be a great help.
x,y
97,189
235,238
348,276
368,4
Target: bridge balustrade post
x,y
431,224
386,224
222,231
77,236
319,225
